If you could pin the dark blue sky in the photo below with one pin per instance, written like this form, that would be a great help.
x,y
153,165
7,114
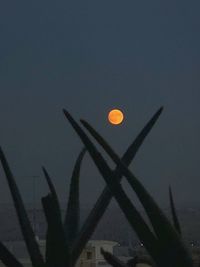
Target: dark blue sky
x,y
90,56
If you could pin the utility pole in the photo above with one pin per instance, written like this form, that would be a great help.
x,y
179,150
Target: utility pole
x,y
34,177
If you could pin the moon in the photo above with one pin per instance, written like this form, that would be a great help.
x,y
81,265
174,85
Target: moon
x,y
115,116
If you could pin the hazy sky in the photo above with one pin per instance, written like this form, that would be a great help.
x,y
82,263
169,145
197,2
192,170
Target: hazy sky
x,y
90,56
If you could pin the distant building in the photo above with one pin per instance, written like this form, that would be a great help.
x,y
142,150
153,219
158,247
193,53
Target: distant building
x,y
90,256
195,251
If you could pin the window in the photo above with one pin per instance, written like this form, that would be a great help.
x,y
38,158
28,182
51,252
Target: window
x,y
89,255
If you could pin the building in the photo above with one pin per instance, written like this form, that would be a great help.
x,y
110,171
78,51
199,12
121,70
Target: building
x,y
90,256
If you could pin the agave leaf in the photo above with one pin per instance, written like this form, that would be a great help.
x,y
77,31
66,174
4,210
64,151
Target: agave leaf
x,y
27,231
140,260
72,217
168,238
133,216
51,187
8,258
56,247
112,260
103,201
171,243
173,211
133,148
160,223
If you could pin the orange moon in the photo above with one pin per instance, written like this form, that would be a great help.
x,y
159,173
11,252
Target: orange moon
x,y
115,116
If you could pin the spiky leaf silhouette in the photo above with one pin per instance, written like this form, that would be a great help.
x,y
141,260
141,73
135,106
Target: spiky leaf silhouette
x,y
103,201
173,211
56,247
168,238
170,243
25,225
160,223
112,260
51,187
135,219
72,217
8,258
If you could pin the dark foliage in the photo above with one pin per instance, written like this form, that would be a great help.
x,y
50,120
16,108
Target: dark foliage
x,y
166,244
65,240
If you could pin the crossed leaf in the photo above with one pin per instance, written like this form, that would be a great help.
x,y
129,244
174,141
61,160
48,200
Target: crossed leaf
x,y
103,201
65,241
166,243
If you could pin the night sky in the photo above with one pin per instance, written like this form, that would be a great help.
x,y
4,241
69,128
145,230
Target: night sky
x,y
88,57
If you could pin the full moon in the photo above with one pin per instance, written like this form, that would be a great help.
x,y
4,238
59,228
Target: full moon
x,y
115,116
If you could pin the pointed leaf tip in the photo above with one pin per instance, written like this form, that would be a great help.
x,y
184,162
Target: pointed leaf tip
x,y
51,187
43,169
173,212
72,217
65,112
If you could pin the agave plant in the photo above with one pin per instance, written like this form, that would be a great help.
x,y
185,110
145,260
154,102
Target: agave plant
x,y
106,196
64,240
175,219
164,243
59,234
115,262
